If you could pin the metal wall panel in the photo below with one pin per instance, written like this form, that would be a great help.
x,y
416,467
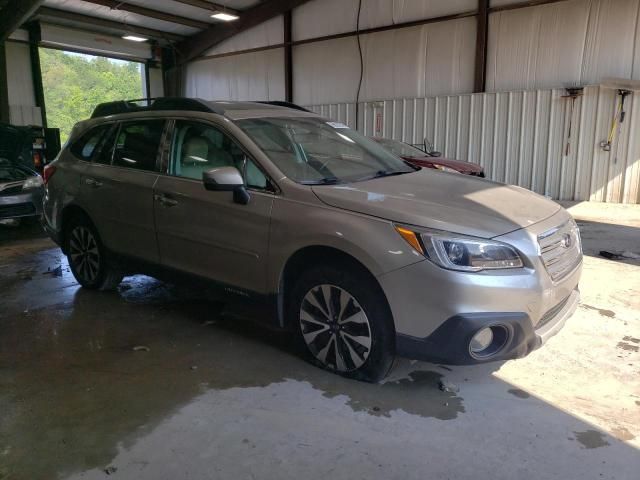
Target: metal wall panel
x,y
328,17
533,138
22,102
250,76
267,33
19,74
575,42
25,115
440,60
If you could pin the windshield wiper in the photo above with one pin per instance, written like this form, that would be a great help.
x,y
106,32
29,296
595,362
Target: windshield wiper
x,y
323,181
386,173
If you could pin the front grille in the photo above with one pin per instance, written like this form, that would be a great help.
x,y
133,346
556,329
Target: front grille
x,y
551,313
560,250
12,190
17,210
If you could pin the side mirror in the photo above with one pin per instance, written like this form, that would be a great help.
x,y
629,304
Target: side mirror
x,y
226,179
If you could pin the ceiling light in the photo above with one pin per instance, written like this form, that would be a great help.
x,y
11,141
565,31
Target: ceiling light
x,y
133,38
226,17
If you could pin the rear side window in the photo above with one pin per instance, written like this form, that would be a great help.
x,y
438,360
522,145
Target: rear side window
x,y
137,144
86,145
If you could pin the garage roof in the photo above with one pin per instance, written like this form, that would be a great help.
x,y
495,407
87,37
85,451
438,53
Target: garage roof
x,y
169,19
188,24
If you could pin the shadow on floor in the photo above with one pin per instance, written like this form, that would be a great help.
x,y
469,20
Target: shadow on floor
x,y
615,238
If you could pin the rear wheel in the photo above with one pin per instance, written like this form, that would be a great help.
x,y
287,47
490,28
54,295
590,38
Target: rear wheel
x,y
343,323
87,258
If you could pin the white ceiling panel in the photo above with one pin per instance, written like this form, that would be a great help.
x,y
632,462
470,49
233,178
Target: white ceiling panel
x,y
86,8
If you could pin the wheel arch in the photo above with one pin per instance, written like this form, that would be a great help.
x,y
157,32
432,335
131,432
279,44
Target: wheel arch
x,y
69,212
314,255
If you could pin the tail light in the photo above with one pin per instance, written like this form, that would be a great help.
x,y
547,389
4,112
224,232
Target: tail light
x,y
49,170
37,160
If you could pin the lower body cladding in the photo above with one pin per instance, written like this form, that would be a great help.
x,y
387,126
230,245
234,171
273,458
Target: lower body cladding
x,y
27,204
459,318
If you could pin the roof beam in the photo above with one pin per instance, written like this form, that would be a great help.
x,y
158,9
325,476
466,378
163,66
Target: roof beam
x,y
214,7
199,43
53,14
14,14
150,13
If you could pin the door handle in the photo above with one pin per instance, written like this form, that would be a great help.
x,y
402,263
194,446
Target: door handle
x,y
165,200
92,183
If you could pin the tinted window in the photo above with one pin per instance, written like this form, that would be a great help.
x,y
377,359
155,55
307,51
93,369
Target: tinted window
x,y
104,152
137,144
198,148
86,145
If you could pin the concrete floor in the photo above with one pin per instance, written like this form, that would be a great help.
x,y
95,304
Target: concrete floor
x,y
214,397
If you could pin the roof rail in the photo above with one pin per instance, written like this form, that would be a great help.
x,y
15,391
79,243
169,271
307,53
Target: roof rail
x,y
150,104
281,103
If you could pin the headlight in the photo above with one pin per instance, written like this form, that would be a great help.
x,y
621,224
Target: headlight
x,y
457,252
445,169
32,182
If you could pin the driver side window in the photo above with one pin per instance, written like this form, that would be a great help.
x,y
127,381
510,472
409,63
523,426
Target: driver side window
x,y
197,148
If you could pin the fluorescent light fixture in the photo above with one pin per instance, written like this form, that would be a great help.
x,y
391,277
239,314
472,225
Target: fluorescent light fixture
x,y
133,38
226,17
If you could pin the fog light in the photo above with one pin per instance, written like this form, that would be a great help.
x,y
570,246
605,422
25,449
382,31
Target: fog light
x,y
481,341
488,341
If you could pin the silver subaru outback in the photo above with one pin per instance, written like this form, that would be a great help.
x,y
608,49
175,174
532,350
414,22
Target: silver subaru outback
x,y
359,254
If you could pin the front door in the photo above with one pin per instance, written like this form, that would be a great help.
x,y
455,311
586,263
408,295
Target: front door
x,y
206,233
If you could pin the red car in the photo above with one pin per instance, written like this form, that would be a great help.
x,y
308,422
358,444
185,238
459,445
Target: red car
x,y
429,160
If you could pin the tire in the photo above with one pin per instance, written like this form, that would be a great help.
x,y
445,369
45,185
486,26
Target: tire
x,y
87,256
323,300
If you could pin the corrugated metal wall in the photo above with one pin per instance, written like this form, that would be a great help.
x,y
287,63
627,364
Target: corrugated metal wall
x,y
22,103
520,137
518,130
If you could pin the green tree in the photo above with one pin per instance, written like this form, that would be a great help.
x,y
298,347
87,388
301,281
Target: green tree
x,y
75,84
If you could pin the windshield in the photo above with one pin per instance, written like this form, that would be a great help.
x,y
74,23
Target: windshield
x,y
400,148
311,150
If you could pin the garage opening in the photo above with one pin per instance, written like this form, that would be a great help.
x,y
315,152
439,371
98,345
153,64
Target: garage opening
x,y
74,83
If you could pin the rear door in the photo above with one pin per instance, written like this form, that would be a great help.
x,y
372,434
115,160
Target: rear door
x,y
206,233
117,187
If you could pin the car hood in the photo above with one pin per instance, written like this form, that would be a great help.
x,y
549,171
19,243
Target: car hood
x,y
459,165
444,201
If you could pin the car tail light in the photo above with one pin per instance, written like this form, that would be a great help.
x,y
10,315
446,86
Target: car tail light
x,y
49,170
37,160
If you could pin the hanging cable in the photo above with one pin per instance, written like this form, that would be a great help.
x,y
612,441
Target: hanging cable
x,y
361,63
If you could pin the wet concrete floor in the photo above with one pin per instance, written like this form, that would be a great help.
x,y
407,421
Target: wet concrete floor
x,y
155,381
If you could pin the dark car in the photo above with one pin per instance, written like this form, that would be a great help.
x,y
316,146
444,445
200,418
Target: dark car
x,y
21,191
30,146
429,160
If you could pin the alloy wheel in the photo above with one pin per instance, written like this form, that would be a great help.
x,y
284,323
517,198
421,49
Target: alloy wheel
x,y
335,328
84,253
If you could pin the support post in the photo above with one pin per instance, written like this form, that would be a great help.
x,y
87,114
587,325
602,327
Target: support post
x,y
36,70
480,78
288,57
5,113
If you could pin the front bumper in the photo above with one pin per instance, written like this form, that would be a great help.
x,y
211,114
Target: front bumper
x,y
449,343
27,204
437,311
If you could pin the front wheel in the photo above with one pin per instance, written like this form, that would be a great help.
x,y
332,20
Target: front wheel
x,y
343,323
87,257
